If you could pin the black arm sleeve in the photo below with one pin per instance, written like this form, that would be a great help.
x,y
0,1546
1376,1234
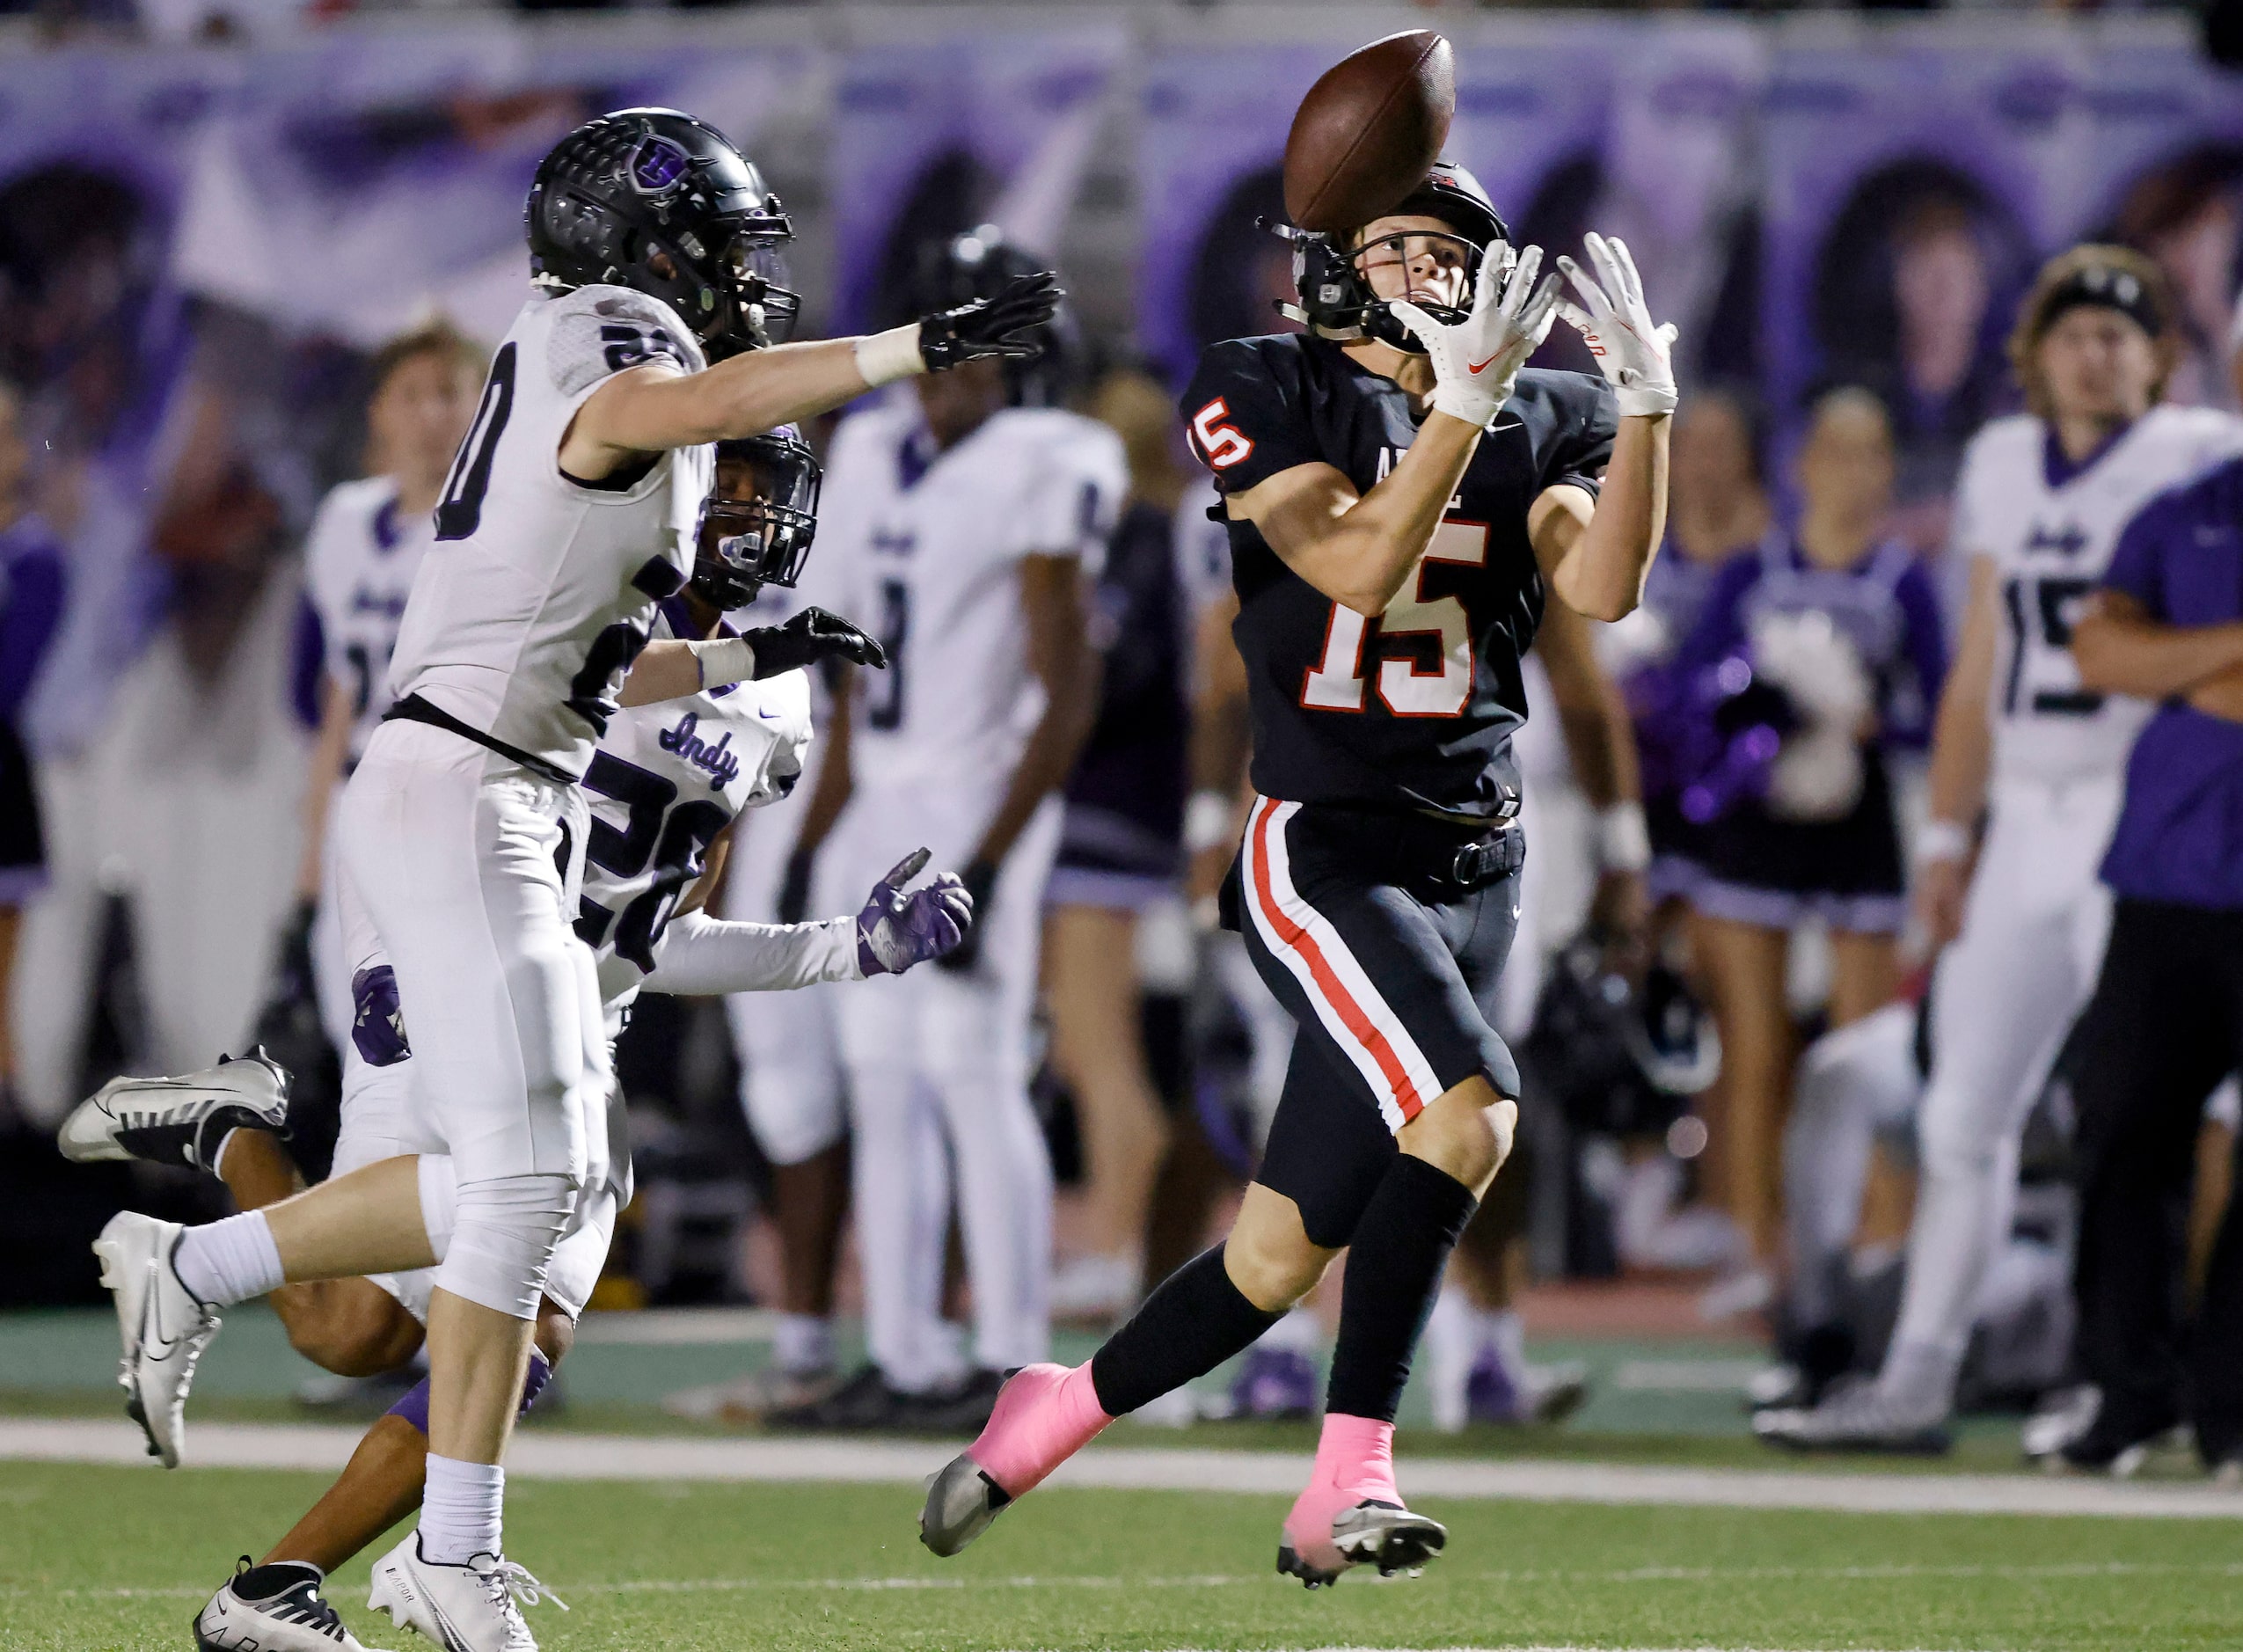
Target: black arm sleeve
x,y
1246,414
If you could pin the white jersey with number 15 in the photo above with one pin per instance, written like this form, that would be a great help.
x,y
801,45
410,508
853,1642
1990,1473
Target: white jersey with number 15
x,y
2050,531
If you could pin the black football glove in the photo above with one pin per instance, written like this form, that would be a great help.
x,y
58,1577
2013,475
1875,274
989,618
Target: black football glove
x,y
980,879
991,326
811,636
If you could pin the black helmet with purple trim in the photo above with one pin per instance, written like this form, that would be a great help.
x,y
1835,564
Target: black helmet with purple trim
x,y
664,204
759,519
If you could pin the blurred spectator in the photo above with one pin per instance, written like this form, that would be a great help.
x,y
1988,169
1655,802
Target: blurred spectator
x,y
1120,849
2184,215
30,608
1840,630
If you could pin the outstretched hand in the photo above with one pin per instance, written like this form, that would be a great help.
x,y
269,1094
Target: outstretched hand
x,y
1612,319
897,930
807,638
1476,363
1001,325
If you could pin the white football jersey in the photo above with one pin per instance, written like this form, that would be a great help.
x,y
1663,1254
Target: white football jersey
x,y
2050,537
540,591
358,568
924,550
665,779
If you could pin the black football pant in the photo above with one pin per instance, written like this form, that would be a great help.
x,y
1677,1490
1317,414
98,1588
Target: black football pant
x,y
2165,1025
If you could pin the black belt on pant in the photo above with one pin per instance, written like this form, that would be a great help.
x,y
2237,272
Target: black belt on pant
x,y
1435,857
413,709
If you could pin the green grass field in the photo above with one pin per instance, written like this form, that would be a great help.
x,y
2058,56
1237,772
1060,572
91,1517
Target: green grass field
x,y
93,1559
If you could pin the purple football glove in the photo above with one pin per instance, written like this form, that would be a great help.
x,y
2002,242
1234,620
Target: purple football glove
x,y
896,930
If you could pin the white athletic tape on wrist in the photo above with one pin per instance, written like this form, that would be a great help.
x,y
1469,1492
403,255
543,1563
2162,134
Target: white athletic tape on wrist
x,y
884,357
1623,837
1208,820
724,660
1942,840
1646,401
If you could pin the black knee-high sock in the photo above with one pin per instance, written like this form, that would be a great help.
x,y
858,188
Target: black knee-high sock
x,y
1394,1266
1196,1319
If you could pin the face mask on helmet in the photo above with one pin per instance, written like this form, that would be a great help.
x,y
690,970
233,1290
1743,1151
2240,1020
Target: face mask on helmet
x,y
1345,283
759,520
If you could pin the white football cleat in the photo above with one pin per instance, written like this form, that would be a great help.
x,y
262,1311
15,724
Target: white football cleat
x,y
165,1327
472,1608
295,1617
178,1121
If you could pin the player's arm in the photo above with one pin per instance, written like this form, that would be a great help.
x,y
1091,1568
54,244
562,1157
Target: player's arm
x,y
1360,548
1962,752
329,748
1598,559
827,797
701,956
668,669
1217,749
1061,657
654,407
1600,740
2122,650
1596,552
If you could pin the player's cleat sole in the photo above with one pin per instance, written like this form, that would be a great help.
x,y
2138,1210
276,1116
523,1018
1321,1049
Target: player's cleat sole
x,y
178,1121
961,1501
1380,1534
162,1327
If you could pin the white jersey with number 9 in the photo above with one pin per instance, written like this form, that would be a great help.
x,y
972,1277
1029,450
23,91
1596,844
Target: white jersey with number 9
x,y
2050,531
540,590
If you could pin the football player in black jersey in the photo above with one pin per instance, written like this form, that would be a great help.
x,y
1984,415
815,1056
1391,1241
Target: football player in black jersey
x,y
1402,496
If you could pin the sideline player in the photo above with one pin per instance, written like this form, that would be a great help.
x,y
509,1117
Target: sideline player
x,y
1401,495
963,523
667,783
359,560
569,514
2042,498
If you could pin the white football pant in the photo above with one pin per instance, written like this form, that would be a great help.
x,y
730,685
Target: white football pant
x,y
2006,995
452,852
953,1048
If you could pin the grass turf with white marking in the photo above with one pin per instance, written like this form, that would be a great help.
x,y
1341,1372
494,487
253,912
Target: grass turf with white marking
x,y
111,1558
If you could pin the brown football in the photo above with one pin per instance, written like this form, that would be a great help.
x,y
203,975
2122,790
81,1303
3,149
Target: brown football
x,y
1368,130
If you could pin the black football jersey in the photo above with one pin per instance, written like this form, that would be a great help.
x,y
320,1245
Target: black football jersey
x,y
1415,709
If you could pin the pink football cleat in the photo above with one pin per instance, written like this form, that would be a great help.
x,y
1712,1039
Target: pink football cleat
x,y
1351,1514
1044,1415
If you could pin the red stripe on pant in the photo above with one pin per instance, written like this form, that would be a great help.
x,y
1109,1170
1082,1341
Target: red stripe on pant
x,y
1326,979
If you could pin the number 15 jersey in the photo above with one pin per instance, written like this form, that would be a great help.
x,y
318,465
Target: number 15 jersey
x,y
539,590
1414,709
2051,527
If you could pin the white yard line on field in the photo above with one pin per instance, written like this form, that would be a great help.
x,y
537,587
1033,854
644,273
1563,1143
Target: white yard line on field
x,y
559,1456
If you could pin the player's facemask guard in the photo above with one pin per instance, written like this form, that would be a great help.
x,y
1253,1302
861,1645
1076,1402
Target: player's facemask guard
x,y
758,533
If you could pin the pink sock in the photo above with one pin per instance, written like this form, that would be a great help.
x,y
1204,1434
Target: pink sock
x,y
1354,1455
1043,1416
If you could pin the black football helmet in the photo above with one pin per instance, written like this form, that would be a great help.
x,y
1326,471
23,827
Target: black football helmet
x,y
1620,1056
1336,300
977,265
625,189
758,519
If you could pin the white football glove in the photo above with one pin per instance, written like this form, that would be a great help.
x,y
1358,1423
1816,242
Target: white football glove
x,y
1477,362
1612,318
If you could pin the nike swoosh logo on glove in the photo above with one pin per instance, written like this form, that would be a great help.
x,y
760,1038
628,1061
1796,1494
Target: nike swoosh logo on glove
x,y
1477,368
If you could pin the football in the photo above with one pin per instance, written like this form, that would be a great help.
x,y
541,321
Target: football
x,y
1368,130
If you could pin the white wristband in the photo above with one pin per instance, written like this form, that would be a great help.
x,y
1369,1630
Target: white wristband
x,y
1207,821
723,661
1943,840
1646,401
884,357
1623,837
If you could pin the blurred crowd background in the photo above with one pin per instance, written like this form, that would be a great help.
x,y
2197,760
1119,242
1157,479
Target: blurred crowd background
x,y
202,249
